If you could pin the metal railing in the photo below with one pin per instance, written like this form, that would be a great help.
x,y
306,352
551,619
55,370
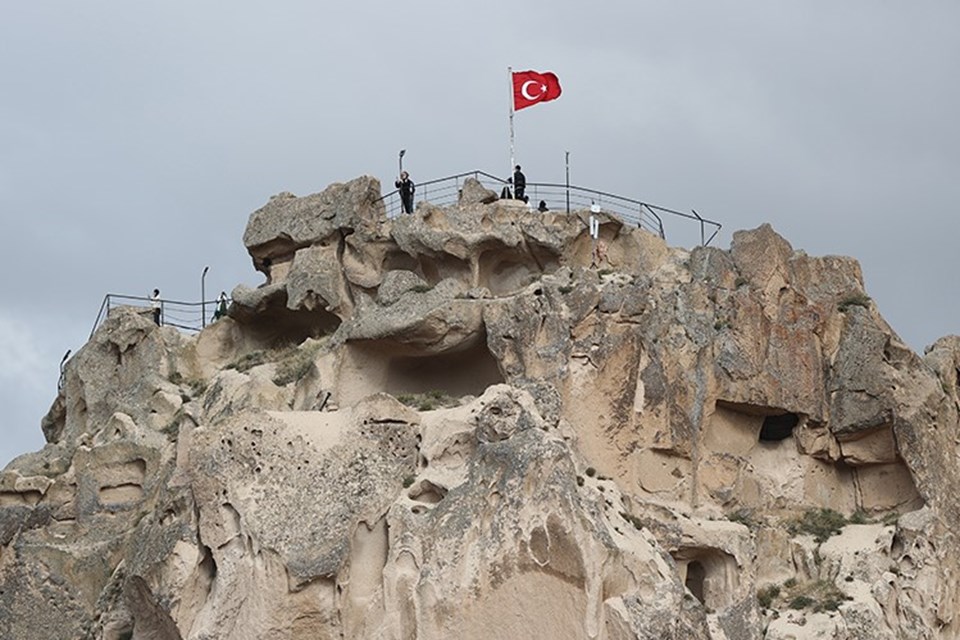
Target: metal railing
x,y
557,197
188,316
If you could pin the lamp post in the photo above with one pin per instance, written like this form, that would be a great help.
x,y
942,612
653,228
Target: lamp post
x,y
203,297
63,362
568,182
402,151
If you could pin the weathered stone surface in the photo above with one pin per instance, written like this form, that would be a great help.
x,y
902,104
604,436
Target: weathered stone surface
x,y
626,445
288,222
315,280
472,192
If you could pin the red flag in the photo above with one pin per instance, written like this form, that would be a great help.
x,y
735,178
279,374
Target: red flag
x,y
531,87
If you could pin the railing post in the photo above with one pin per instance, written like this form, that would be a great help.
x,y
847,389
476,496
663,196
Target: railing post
x,y
104,304
702,233
203,297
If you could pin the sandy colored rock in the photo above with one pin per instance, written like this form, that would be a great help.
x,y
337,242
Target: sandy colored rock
x,y
458,420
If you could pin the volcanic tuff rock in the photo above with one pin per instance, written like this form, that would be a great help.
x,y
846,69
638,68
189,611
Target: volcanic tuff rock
x,y
457,422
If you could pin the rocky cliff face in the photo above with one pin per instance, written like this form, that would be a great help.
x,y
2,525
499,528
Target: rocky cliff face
x,y
456,422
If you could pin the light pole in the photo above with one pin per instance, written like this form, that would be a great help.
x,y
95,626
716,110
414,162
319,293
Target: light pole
x,y
402,151
63,362
568,182
203,297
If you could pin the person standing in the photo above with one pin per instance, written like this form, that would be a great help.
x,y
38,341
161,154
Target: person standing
x,y
221,306
157,306
519,183
407,189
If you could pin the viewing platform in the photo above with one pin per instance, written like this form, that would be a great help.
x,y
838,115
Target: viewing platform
x,y
558,198
565,197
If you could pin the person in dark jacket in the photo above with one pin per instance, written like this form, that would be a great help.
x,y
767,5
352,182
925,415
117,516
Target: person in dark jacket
x,y
407,188
519,183
157,305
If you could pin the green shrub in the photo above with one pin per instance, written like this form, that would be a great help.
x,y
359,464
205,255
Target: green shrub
x,y
296,364
853,300
860,517
820,523
197,386
744,517
248,361
767,595
428,401
829,597
632,519
821,595
830,604
172,428
891,519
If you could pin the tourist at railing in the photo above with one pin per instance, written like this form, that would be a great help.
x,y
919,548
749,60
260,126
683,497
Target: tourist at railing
x,y
157,306
519,183
407,189
221,306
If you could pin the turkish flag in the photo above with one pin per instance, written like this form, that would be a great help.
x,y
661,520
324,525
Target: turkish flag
x,y
531,87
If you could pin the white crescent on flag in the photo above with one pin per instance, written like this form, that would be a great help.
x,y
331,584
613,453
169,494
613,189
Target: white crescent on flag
x,y
526,93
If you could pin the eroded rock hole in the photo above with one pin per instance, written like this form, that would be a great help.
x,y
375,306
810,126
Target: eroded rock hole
x,y
435,269
696,574
398,260
427,492
274,325
420,378
504,273
467,372
778,427
710,574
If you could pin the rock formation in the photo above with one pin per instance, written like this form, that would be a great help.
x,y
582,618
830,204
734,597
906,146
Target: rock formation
x,y
455,423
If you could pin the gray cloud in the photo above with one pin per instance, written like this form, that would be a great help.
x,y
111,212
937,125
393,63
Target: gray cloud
x,y
136,138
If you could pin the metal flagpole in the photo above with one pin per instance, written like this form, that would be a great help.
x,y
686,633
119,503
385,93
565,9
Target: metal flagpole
x,y
512,164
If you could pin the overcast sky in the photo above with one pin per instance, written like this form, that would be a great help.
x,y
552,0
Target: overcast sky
x,y
137,137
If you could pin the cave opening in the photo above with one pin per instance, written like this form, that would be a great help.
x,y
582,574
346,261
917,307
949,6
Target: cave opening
x,y
778,427
710,574
456,373
696,575
404,369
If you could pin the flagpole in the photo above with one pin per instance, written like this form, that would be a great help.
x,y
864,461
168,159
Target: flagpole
x,y
510,84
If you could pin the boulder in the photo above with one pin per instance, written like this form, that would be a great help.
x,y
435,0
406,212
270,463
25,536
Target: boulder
x,y
472,192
